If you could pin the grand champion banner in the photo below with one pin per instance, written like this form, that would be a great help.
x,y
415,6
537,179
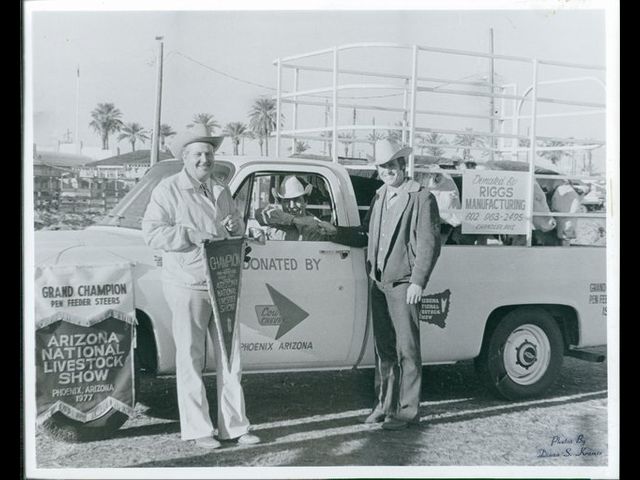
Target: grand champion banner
x,y
85,321
494,202
224,260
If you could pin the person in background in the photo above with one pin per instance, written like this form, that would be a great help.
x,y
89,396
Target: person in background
x,y
447,196
402,233
186,210
289,219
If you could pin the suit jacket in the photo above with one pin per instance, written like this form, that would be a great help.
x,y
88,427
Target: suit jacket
x,y
415,244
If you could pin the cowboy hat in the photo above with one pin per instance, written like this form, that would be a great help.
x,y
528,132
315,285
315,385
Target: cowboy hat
x,y
195,134
291,187
388,150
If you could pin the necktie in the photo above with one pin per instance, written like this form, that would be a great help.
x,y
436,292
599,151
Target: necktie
x,y
390,199
204,190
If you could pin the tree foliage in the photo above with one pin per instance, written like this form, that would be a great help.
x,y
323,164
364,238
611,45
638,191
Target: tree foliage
x,y
236,131
106,120
206,119
262,120
133,132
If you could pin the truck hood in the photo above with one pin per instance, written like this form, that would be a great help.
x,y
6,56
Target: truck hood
x,y
49,244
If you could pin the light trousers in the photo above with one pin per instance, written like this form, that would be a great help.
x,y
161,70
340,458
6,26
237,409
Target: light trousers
x,y
192,319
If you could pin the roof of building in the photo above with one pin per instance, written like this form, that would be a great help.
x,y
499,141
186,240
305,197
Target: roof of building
x,y
60,159
141,157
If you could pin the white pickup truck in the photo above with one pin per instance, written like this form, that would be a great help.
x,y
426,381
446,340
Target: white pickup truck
x,y
515,310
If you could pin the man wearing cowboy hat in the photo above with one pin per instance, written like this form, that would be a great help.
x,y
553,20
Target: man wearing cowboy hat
x,y
289,220
402,232
186,210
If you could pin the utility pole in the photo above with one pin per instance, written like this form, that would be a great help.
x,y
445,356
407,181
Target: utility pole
x,y
492,104
77,133
326,122
155,141
353,134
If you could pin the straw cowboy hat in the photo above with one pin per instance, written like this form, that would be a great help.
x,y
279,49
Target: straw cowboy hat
x,y
291,187
388,150
197,133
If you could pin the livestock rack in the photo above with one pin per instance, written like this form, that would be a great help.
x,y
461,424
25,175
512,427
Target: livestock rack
x,y
422,94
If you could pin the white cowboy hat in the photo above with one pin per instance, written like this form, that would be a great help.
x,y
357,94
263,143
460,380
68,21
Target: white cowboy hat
x,y
291,187
388,150
197,133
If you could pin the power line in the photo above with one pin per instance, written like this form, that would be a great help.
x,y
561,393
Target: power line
x,y
249,82
219,72
233,77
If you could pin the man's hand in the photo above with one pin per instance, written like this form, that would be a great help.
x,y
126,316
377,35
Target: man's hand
x,y
197,237
414,292
326,228
305,221
230,223
275,216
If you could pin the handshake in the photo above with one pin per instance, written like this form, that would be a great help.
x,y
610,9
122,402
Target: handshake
x,y
326,228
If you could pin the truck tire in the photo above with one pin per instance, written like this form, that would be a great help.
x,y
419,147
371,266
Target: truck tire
x,y
522,356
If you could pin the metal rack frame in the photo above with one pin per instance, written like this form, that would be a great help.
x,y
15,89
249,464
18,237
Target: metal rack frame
x,y
411,88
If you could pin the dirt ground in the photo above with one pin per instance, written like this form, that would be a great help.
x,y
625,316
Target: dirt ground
x,y
312,419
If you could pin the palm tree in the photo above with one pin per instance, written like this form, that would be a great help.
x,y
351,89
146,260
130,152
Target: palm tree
x,y
555,155
133,132
346,139
467,140
374,136
106,121
165,132
205,119
395,135
327,143
301,147
262,120
434,139
235,130
249,135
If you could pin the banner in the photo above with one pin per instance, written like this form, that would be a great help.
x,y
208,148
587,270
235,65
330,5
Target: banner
x,y
224,260
85,324
494,202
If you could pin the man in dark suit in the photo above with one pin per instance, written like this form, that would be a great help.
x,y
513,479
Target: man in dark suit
x,y
402,233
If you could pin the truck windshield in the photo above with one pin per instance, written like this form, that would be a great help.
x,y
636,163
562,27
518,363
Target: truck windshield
x,y
129,211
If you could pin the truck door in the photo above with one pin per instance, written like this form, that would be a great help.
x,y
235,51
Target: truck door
x,y
298,297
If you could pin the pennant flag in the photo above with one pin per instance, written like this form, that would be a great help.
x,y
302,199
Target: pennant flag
x,y
224,260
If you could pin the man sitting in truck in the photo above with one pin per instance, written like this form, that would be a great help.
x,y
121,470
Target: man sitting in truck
x,y
289,219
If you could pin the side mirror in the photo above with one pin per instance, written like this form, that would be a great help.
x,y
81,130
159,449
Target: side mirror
x,y
257,235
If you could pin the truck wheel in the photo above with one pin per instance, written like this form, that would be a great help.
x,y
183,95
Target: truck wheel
x,y
523,355
64,428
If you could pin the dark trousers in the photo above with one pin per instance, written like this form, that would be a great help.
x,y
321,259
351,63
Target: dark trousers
x,y
396,332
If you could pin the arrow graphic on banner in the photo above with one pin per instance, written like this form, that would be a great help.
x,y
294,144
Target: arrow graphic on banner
x,y
290,313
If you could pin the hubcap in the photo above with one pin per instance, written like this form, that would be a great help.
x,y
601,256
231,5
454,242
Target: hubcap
x,y
527,353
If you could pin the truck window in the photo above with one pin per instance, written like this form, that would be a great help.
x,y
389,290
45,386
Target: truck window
x,y
261,197
365,184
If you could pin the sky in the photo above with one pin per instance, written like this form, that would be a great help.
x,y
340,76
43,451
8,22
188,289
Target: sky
x,y
116,56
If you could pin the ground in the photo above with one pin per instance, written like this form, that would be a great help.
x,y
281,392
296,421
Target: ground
x,y
313,419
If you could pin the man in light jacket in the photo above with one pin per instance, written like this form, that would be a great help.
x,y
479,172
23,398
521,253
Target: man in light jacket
x,y
186,210
402,233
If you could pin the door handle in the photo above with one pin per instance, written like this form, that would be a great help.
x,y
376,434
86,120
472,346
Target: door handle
x,y
344,253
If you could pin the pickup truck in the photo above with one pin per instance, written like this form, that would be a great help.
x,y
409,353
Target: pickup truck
x,y
304,305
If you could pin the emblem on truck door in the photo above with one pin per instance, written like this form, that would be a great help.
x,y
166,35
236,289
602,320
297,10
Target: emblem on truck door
x,y
434,308
286,314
